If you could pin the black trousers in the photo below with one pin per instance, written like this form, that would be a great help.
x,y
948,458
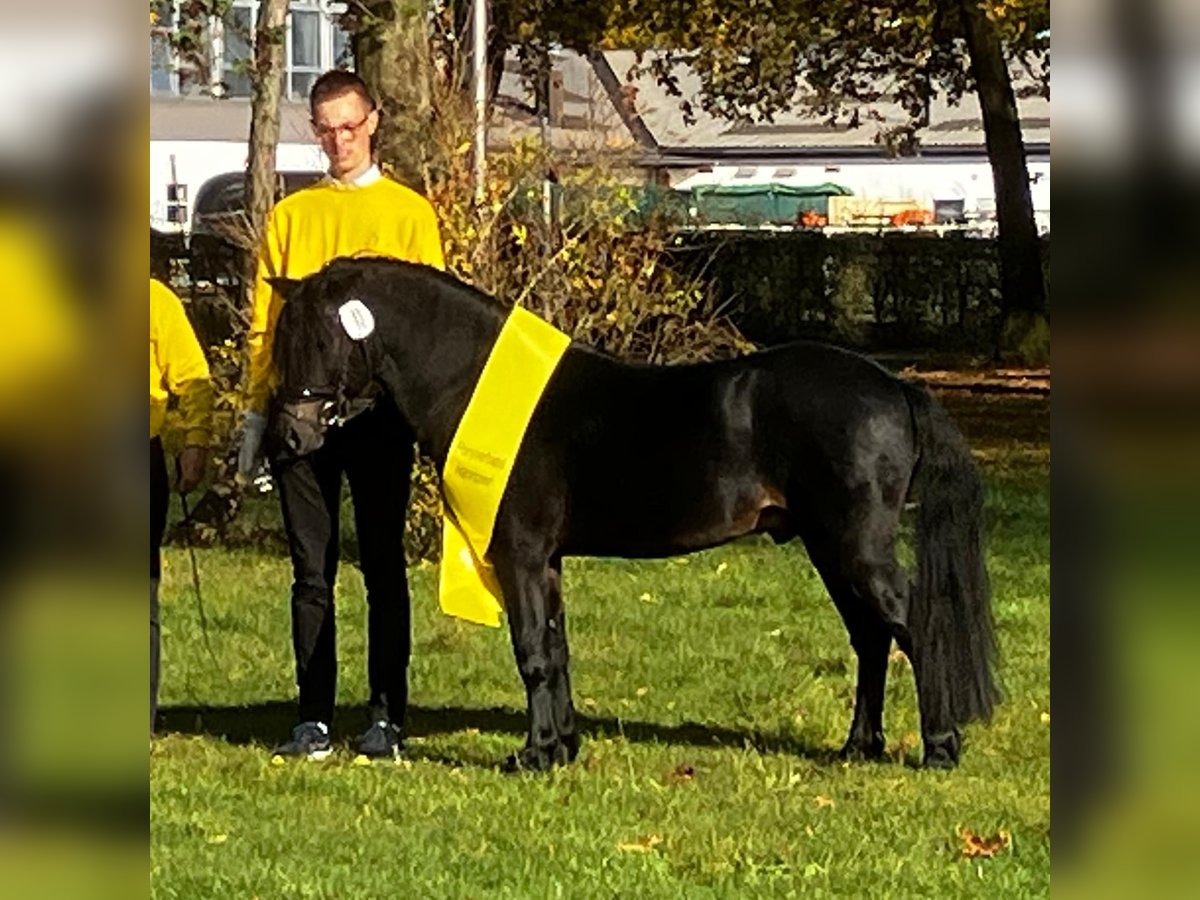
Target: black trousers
x,y
159,494
374,451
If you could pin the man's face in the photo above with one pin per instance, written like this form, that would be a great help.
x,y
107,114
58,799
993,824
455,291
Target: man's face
x,y
344,125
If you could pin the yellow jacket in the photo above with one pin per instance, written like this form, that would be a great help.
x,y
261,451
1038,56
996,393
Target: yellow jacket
x,y
177,366
315,225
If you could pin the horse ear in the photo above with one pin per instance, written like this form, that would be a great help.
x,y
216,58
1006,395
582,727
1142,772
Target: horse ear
x,y
286,287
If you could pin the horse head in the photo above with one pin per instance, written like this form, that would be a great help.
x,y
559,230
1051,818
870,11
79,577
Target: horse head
x,y
323,359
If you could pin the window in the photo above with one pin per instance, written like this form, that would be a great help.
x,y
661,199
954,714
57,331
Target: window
x,y
314,44
237,41
343,52
305,56
163,79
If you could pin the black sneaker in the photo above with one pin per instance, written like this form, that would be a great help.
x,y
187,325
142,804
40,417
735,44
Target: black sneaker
x,y
309,739
381,741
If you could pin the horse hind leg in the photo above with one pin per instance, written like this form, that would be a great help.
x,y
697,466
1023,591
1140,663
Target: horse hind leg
x,y
871,639
878,578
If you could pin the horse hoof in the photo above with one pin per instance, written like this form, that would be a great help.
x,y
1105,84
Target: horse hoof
x,y
542,759
940,760
941,751
527,760
862,751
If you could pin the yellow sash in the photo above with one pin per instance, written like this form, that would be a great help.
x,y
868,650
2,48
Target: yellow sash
x,y
481,459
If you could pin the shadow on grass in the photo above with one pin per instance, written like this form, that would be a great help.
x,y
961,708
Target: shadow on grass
x,y
269,723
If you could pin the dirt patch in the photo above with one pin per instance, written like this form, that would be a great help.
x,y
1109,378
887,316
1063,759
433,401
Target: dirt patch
x,y
984,381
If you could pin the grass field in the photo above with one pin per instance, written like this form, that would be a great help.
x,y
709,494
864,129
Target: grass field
x,y
714,691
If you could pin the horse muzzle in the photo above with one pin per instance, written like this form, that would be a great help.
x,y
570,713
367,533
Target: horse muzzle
x,y
298,428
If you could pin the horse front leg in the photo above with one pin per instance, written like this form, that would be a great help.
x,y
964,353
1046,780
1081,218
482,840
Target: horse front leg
x,y
533,595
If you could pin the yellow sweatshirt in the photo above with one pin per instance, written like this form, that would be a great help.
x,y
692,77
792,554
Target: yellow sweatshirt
x,y
44,342
313,226
177,366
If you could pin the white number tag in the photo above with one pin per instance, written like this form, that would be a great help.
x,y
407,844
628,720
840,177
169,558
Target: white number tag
x,y
356,319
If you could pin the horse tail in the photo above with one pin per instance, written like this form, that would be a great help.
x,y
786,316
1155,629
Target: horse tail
x,y
950,611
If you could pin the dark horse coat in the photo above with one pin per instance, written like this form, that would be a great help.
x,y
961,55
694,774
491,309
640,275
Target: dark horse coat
x,y
630,460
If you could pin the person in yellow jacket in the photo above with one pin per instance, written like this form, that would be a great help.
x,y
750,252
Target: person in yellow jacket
x,y
178,368
355,210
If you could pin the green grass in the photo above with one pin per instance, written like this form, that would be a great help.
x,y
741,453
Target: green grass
x,y
714,692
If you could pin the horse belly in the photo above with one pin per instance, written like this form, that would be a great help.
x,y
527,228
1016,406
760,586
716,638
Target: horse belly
x,y
673,516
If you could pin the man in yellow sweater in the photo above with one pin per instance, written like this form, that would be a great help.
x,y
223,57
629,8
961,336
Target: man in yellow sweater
x,y
177,367
354,210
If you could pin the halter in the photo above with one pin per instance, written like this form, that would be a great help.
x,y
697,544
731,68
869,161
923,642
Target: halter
x,y
326,406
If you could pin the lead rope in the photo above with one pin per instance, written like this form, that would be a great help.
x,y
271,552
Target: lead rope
x,y
196,579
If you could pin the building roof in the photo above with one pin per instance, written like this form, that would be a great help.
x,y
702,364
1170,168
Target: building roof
x,y
203,118
601,106
588,116
656,115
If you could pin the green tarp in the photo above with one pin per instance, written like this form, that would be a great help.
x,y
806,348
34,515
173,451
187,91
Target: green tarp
x,y
748,204
761,204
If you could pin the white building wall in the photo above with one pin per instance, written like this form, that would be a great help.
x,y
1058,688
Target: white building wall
x,y
198,161
924,181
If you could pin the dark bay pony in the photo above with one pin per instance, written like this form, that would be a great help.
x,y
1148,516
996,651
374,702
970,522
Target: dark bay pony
x,y
630,460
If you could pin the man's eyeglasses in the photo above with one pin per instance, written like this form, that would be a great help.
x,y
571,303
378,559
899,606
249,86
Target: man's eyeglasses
x,y
328,132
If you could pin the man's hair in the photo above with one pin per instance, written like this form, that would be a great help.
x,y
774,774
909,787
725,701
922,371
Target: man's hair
x,y
335,83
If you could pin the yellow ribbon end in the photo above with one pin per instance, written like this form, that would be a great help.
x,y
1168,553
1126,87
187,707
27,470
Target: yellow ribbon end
x,y
481,458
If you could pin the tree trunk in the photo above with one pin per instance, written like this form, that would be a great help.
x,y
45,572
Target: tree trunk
x,y
264,129
1024,330
392,55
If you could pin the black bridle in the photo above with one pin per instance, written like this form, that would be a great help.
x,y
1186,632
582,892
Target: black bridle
x,y
317,408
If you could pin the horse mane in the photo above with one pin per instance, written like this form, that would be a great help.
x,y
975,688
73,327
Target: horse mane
x,y
388,266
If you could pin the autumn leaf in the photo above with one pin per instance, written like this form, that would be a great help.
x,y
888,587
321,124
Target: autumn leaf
x,y
644,844
975,846
822,801
681,774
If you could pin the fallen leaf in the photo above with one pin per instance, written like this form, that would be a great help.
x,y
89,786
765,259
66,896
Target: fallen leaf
x,y
976,846
681,774
645,844
218,838
642,691
1045,718
822,802
722,567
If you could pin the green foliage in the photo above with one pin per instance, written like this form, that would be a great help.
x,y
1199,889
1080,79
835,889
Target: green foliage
x,y
190,35
872,291
712,690
567,234
753,57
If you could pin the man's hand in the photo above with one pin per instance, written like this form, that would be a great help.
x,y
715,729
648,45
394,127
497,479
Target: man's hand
x,y
254,426
191,468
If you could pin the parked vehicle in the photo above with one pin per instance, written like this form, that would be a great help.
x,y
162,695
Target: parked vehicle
x,y
220,233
